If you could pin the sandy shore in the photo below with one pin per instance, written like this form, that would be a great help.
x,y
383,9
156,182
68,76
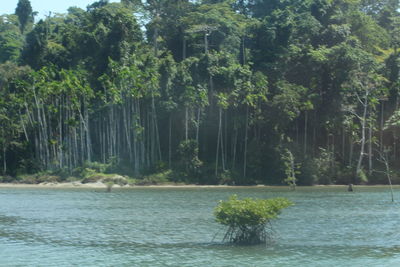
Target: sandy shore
x,y
100,185
54,185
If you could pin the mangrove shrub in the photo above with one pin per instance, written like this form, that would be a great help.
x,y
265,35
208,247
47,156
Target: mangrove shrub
x,y
248,219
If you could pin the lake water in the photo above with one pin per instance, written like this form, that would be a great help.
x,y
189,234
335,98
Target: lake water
x,y
175,227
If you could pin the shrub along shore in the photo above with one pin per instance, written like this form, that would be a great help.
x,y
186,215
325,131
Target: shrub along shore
x,y
101,180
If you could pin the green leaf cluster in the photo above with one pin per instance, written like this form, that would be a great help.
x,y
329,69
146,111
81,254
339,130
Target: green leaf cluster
x,y
249,212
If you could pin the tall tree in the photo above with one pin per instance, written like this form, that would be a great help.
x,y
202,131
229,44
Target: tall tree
x,y
25,14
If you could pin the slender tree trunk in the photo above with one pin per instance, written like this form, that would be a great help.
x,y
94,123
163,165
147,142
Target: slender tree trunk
x,y
222,144
225,144
245,143
333,152
83,154
186,123
184,48
394,146
135,138
381,128
147,138
243,51
351,151
88,139
125,115
156,132
343,145
370,149
4,159
388,176
305,133
23,127
206,42
314,140
169,140
394,134
385,160
155,38
235,138
292,166
218,142
60,133
363,137
198,125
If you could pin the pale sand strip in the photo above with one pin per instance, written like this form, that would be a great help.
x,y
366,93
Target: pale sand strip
x,y
100,185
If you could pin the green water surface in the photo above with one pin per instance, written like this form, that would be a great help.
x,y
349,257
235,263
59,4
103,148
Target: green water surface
x,y
175,227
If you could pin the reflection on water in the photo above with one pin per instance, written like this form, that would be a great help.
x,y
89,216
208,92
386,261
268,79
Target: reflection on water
x,y
175,227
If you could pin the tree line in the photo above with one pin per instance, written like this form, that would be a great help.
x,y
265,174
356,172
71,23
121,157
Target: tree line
x,y
219,91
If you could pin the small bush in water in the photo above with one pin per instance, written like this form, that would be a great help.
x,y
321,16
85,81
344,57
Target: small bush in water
x,y
248,218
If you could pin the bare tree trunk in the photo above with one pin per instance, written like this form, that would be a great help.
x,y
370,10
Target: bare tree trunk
x,y
394,146
351,151
4,159
389,178
88,139
186,123
370,149
125,116
60,134
305,133
184,48
155,38
157,135
198,125
235,138
314,140
292,166
333,152
223,158
245,143
135,139
385,160
206,42
243,51
218,141
343,145
169,141
23,127
363,138
381,128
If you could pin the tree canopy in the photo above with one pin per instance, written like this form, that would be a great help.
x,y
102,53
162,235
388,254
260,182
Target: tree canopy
x,y
216,91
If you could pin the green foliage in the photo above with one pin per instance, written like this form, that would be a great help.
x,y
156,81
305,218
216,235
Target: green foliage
x,y
249,212
291,168
155,179
11,40
246,77
321,169
189,163
247,218
24,13
362,177
38,178
6,179
94,177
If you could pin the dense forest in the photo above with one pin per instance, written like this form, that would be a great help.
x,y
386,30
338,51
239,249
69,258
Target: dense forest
x,y
215,91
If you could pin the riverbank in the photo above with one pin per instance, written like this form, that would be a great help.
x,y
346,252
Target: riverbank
x,y
104,185
100,185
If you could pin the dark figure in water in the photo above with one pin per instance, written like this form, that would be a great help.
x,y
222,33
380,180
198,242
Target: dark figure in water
x,y
350,188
